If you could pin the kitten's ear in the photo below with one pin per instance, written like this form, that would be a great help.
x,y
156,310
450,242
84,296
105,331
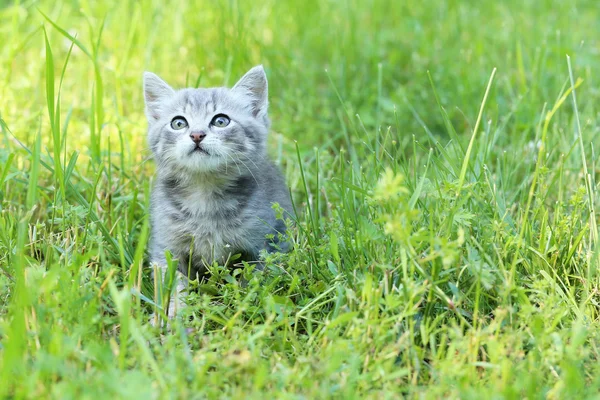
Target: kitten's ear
x,y
155,92
254,85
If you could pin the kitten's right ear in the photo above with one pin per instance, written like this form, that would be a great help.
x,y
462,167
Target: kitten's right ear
x,y
156,91
254,85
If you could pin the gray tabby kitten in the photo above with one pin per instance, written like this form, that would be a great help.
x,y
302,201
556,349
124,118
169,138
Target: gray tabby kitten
x,y
214,185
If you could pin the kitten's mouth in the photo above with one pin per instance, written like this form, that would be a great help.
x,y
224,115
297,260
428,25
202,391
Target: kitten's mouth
x,y
199,150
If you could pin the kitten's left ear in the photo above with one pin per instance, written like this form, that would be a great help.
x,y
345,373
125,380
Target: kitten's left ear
x,y
254,85
156,91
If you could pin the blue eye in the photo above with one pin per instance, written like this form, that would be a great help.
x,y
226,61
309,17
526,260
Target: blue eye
x,y
179,123
220,121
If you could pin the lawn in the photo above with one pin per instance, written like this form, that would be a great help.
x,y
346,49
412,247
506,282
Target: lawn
x,y
443,162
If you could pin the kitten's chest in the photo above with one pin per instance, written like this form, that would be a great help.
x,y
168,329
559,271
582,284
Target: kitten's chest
x,y
205,204
215,224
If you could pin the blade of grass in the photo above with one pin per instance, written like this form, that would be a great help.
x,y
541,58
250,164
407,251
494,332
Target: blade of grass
x,y
463,171
587,177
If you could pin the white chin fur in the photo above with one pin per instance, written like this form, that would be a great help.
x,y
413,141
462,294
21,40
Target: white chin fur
x,y
199,161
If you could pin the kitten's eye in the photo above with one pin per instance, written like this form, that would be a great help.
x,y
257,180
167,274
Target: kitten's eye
x,y
179,123
220,121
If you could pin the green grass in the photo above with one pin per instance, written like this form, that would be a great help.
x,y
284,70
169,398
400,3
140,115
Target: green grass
x,y
446,242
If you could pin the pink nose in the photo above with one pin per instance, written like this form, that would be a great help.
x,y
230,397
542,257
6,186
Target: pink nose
x,y
197,137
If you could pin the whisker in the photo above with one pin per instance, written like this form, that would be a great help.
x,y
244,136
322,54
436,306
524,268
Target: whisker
x,y
246,157
237,161
255,180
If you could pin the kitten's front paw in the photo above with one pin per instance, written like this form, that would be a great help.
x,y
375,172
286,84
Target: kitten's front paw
x,y
154,320
157,320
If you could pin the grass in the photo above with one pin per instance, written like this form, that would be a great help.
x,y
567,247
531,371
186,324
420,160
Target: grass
x,y
442,159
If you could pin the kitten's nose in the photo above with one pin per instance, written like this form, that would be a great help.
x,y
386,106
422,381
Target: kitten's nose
x,y
197,137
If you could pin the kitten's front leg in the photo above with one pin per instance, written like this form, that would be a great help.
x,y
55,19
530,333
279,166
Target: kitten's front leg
x,y
164,288
175,299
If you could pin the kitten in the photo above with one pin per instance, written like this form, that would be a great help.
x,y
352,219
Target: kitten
x,y
214,186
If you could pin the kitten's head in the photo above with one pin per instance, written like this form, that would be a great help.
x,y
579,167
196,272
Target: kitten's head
x,y
207,130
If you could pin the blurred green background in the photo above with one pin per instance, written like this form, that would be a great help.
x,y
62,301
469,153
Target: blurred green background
x,y
376,54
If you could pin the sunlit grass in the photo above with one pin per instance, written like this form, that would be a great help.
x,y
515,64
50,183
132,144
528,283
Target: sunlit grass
x,y
442,160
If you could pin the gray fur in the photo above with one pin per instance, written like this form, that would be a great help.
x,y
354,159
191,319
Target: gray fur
x,y
212,203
